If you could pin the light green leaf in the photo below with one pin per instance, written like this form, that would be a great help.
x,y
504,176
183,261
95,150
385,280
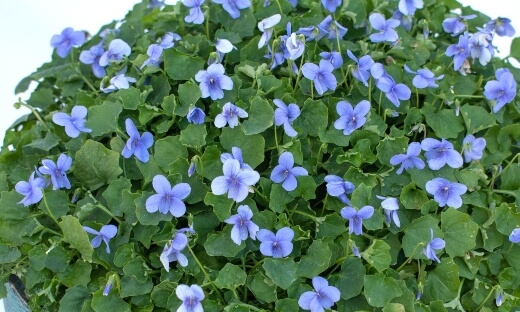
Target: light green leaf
x,y
74,234
95,165
230,277
102,118
261,116
460,232
379,289
281,271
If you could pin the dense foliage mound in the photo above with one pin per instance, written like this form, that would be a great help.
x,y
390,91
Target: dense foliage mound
x,y
273,155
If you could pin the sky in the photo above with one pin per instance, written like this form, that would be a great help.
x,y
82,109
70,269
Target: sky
x,y
26,28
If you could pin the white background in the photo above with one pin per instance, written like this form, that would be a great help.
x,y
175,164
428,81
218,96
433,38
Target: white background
x,y
26,28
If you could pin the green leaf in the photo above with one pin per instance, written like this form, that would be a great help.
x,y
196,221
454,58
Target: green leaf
x,y
194,136
114,194
515,49
394,307
215,242
74,299
442,283
418,232
148,218
189,94
252,146
78,274
460,232
316,260
167,150
262,287
57,259
131,287
180,66
9,254
74,234
58,203
162,292
379,289
287,305
112,302
389,147
230,277
351,278
221,205
261,116
306,188
506,219
281,271
278,198
361,196
333,226
476,118
444,123
45,144
95,165
313,118
102,119
41,98
136,267
412,198
378,255
211,164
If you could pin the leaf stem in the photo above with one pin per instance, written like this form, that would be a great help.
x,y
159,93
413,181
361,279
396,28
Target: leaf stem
x,y
205,273
409,258
35,112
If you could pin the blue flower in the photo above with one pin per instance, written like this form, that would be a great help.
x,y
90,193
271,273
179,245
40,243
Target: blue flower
x,y
236,153
515,236
499,300
362,69
266,27
333,57
482,47
229,116
456,25
473,148
285,115
377,70
385,27
75,123
154,53
295,45
502,26
408,7
390,206
435,243
168,198
32,190
106,233
335,30
276,246
408,160
394,91
323,296
286,172
233,7
405,20
351,118
120,81
196,116
424,78
446,192
338,187
57,171
242,225
213,81
196,16
439,153
460,51
224,46
92,56
172,252
502,90
168,40
137,145
117,50
312,32
235,181
191,297
68,38
355,217
331,5
355,251
321,76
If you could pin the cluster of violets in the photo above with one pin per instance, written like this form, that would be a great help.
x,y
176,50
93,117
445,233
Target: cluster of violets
x,y
239,179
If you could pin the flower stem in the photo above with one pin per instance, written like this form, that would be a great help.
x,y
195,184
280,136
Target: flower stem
x,y
205,273
409,258
299,74
35,112
48,210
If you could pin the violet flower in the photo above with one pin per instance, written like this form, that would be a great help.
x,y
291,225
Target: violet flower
x,y
75,123
408,160
242,225
229,116
338,187
295,45
435,243
322,297
456,25
385,27
168,199
172,251
266,27
285,115
120,81
424,78
57,171
233,7
213,81
502,90
334,30
515,236
235,181
351,118
196,16
408,7
91,57
446,192
321,76
32,190
117,50
473,148
501,26
356,217
106,233
196,116
236,153
439,153
362,69
286,172
390,206
190,296
277,245
137,145
333,57
68,38
331,5
394,91
460,51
